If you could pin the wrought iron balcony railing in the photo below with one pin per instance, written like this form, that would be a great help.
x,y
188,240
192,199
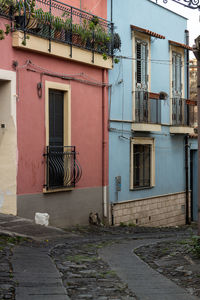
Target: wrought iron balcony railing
x,y
62,167
184,112
57,21
147,109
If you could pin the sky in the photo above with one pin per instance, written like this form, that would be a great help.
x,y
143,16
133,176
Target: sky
x,y
193,16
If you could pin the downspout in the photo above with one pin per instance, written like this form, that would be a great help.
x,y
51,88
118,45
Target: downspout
x,y
111,11
104,145
196,51
187,204
198,109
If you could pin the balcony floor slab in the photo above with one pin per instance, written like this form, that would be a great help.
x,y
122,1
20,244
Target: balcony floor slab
x,y
146,127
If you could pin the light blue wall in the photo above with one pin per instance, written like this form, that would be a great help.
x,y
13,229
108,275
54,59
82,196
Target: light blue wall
x,y
169,149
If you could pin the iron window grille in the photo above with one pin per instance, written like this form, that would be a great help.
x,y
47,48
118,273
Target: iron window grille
x,y
62,167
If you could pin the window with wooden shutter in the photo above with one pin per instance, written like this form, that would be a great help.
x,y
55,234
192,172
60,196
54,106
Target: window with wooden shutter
x,y
176,74
141,64
177,101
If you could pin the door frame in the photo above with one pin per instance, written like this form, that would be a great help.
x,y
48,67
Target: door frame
x,y
192,152
66,88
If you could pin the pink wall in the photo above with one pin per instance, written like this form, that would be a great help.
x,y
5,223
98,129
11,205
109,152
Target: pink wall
x,y
96,7
86,112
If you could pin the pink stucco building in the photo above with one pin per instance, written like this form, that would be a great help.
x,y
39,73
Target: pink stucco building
x,y
54,112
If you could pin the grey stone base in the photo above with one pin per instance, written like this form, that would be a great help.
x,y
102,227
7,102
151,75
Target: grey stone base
x,y
65,208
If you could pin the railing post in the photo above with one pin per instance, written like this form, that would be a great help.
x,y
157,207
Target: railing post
x,y
156,111
93,36
50,30
74,168
112,39
71,16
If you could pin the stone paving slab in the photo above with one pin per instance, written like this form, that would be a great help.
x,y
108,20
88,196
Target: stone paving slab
x,y
36,275
144,281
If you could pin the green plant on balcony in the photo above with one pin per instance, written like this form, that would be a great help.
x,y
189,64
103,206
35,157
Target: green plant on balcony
x,y
45,22
4,32
116,41
87,33
7,7
58,25
101,39
25,9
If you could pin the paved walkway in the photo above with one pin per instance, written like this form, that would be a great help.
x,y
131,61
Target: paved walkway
x,y
38,278
13,225
36,275
141,279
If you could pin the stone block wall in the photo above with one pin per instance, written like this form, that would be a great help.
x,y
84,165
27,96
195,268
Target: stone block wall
x,y
167,210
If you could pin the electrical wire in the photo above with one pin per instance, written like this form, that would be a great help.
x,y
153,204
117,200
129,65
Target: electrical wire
x,y
95,6
35,68
155,61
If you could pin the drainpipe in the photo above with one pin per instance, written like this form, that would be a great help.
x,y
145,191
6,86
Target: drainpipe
x,y
196,51
198,99
111,11
187,204
187,216
104,144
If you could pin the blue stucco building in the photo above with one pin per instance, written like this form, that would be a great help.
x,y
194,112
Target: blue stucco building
x,y
152,142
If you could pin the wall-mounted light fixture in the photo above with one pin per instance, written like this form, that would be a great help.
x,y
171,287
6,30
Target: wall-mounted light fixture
x,y
39,89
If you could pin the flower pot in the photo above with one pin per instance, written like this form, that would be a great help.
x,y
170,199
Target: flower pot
x,y
59,35
32,23
20,21
44,31
68,36
76,39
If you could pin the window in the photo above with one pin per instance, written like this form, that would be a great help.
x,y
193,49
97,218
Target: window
x,y
179,109
60,155
176,74
141,53
142,163
141,44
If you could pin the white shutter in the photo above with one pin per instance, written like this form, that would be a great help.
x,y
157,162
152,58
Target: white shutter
x,y
141,64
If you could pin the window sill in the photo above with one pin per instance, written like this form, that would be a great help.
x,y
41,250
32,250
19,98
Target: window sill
x,y
181,129
45,191
141,188
146,127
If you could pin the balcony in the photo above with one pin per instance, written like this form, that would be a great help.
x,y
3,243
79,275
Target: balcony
x,y
147,111
55,28
62,168
184,116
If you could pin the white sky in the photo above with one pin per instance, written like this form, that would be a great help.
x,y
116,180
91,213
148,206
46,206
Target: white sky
x,y
193,16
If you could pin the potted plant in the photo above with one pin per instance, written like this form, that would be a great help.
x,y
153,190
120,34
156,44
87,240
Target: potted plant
x,y
116,41
4,32
44,23
95,20
30,14
76,34
58,26
101,39
7,7
25,14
